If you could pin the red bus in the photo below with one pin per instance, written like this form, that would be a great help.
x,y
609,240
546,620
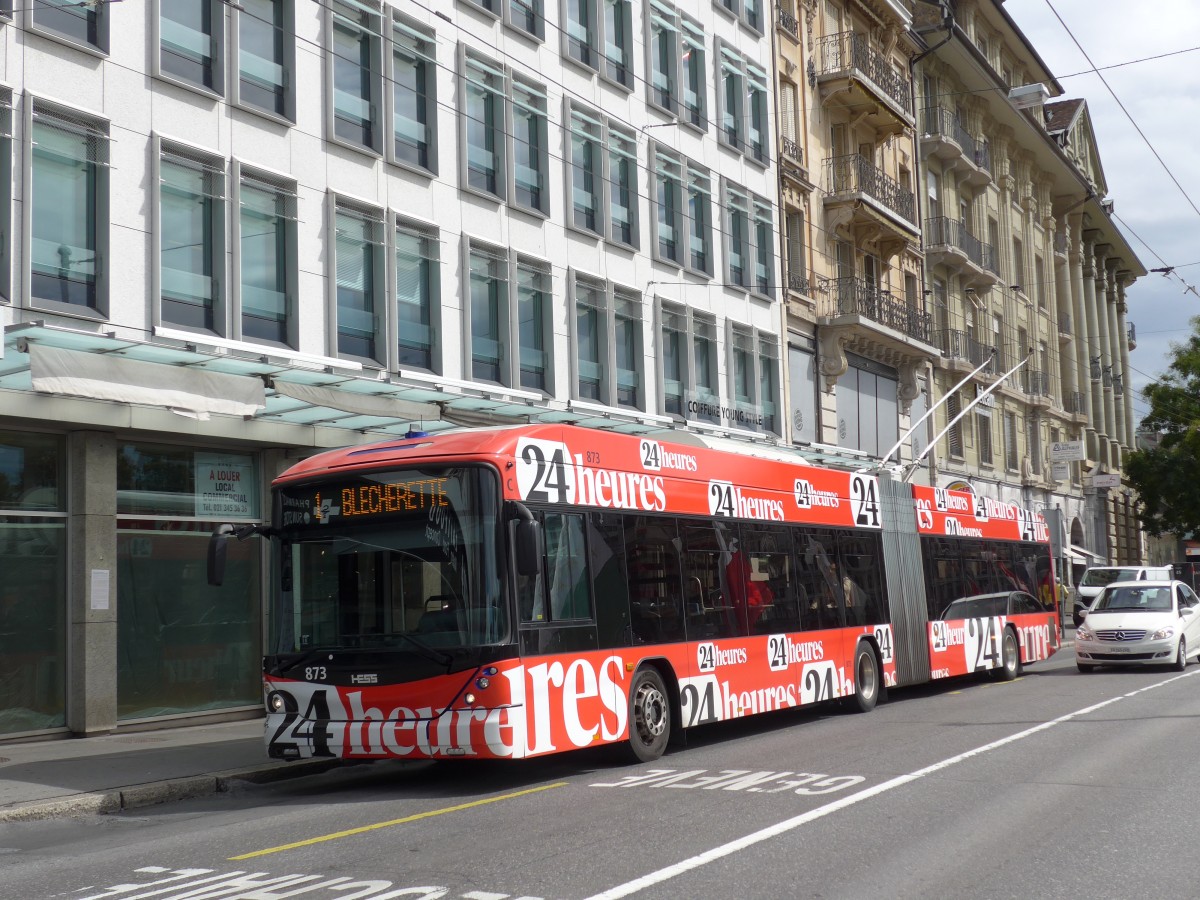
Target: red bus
x,y
513,592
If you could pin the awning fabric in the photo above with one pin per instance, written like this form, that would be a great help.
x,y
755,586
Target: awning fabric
x,y
360,404
1082,555
185,390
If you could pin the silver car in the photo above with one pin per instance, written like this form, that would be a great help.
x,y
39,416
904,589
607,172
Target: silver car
x,y
1139,623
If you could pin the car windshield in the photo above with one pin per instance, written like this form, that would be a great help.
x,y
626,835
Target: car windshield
x,y
1136,598
1103,577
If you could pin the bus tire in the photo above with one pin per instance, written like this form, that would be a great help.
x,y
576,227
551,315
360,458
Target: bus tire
x,y
866,678
1010,657
649,715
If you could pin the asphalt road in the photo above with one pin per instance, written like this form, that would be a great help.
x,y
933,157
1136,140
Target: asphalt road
x,y
1056,785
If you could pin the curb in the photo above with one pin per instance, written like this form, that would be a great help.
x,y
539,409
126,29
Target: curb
x,y
166,791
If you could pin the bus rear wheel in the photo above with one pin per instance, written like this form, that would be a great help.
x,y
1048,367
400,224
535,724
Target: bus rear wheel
x,y
1010,657
866,678
649,715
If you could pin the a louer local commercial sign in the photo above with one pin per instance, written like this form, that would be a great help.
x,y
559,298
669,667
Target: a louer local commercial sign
x,y
224,486
1066,451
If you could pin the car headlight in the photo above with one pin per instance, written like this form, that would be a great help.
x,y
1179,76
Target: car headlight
x,y
1082,633
1163,633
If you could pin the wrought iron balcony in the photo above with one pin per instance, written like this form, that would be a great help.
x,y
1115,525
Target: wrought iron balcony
x,y
788,22
856,296
848,52
983,155
791,149
937,120
1036,383
854,174
1074,403
943,231
798,281
958,344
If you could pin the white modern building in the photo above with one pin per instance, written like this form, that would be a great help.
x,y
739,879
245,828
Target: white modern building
x,y
233,233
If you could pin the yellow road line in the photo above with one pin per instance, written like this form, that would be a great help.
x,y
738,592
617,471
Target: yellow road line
x,y
425,815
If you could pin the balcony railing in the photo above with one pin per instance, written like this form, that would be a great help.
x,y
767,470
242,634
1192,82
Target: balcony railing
x,y
945,122
791,149
958,344
847,50
983,155
857,174
789,23
944,231
798,281
1074,403
1035,383
856,296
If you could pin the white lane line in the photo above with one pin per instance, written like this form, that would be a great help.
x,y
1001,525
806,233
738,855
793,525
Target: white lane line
x,y
749,840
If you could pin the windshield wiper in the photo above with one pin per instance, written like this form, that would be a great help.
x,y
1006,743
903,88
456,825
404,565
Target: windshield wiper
x,y
430,653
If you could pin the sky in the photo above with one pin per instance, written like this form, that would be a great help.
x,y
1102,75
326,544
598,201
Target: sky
x,y
1160,220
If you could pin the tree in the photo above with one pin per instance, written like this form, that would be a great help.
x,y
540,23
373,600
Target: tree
x,y
1166,474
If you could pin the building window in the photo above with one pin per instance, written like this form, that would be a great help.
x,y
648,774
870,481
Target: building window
x,y
749,11
69,212
531,153
1019,265
527,16
731,98
483,111
267,259
191,237
602,153
86,24
488,312
868,413
6,194
1010,441
707,392
753,379
797,270
764,256
414,96
356,72
627,346
689,364
599,36
700,257
192,41
417,295
668,206
509,306
358,260
768,384
675,48
954,437
983,429
737,237
608,343
533,310
1039,274
266,49
591,351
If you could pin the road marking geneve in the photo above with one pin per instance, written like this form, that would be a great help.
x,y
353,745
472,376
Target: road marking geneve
x,y
749,840
413,818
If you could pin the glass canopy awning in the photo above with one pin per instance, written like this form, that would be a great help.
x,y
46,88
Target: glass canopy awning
x,y
299,389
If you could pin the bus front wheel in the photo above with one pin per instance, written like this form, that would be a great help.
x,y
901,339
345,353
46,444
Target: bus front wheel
x,y
866,678
649,715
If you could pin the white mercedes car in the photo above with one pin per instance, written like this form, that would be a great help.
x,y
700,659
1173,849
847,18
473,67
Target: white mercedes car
x,y
1140,623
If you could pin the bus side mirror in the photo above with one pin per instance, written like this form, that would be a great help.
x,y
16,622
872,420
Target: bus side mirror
x,y
216,554
529,547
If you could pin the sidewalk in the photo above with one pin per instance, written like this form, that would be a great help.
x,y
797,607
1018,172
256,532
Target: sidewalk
x,y
76,776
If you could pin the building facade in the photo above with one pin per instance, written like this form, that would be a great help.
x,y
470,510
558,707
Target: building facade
x,y
238,233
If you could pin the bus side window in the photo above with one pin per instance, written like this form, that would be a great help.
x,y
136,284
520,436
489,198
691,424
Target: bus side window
x,y
773,594
656,601
708,596
610,580
566,567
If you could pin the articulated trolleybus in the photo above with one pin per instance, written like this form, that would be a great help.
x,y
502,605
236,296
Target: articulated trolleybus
x,y
513,592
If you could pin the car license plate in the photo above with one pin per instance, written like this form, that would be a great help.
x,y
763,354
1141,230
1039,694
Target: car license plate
x,y
1120,649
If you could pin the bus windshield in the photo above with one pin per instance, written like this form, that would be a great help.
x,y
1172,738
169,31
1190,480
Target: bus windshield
x,y
405,559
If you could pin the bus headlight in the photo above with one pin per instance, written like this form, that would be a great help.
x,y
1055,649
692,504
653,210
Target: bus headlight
x,y
276,702
469,699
